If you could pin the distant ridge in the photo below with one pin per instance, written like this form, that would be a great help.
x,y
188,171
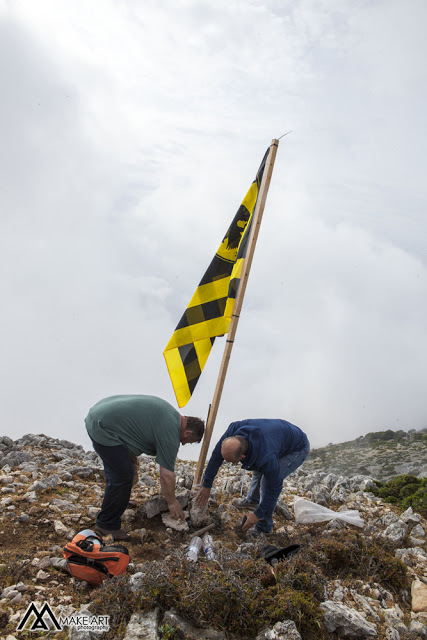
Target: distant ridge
x,y
381,454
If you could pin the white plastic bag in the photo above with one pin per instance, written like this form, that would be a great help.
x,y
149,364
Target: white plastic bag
x,y
306,512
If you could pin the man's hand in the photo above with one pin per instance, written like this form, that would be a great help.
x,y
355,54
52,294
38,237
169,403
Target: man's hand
x,y
176,511
167,482
251,519
202,497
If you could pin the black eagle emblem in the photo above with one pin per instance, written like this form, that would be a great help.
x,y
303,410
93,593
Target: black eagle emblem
x,y
235,231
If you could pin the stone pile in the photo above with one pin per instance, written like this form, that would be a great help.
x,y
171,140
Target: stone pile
x,y
50,489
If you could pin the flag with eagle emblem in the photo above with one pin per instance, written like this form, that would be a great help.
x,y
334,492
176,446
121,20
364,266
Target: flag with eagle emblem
x,y
209,313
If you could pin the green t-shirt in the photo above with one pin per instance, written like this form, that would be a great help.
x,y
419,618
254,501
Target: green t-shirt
x,y
142,424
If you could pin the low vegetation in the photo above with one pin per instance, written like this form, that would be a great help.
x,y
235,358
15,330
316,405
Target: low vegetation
x,y
243,595
405,491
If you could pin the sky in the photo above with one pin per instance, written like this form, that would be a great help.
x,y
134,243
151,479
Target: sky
x,y
130,133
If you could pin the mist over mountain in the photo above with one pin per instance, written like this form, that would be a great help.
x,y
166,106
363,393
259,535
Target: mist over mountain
x,y
380,454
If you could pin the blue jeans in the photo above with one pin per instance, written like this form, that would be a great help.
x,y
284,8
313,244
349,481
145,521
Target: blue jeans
x,y
288,464
118,469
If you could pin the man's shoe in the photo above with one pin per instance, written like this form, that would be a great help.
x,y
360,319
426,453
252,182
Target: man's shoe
x,y
242,503
118,534
257,533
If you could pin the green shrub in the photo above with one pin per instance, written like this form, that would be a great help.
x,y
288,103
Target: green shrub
x,y
380,436
405,491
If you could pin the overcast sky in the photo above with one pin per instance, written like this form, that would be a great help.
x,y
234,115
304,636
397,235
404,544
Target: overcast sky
x,y
130,132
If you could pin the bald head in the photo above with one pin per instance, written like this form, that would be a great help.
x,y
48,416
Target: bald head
x,y
233,449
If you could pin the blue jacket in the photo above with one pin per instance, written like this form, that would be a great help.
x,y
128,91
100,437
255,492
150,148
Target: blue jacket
x,y
268,440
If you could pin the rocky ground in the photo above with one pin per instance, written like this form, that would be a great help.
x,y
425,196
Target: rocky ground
x,y
51,489
405,453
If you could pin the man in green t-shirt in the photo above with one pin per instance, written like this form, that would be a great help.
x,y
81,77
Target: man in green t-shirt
x,y
121,428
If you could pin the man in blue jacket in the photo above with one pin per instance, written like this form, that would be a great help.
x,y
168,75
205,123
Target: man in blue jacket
x,y
272,449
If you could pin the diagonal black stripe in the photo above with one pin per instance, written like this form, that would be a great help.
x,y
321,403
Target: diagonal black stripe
x,y
202,312
217,269
190,362
234,285
187,353
214,308
192,383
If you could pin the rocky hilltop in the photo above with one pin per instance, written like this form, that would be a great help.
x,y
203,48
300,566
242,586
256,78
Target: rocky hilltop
x,y
381,454
343,581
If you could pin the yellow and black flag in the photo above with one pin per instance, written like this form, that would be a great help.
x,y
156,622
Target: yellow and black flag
x,y
209,313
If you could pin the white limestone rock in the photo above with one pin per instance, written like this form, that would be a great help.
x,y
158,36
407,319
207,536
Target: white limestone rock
x,y
419,596
172,523
346,622
285,630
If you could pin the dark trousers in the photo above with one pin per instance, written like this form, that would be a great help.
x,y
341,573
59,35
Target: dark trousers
x,y
119,471
288,464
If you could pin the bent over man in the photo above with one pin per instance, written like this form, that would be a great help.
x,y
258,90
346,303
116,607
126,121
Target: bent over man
x,y
272,449
121,428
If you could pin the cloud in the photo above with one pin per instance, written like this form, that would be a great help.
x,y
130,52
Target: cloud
x,y
129,138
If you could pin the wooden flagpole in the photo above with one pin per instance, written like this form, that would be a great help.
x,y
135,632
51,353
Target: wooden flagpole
x,y
256,223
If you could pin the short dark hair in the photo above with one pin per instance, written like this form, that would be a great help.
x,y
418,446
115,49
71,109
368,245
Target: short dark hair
x,y
196,426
